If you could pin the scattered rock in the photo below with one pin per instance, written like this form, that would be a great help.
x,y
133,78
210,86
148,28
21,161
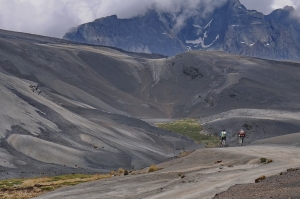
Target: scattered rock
x,y
191,72
293,169
259,179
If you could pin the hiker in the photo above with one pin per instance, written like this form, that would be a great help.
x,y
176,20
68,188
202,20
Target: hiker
x,y
241,136
223,136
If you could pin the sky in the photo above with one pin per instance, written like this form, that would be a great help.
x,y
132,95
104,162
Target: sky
x,y
54,17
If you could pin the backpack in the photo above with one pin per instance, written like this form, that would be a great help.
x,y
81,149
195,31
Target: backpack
x,y
223,134
242,134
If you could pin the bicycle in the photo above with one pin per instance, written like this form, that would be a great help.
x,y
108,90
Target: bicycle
x,y
241,140
241,135
223,136
223,142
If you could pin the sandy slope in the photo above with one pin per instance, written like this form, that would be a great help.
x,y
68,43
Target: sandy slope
x,y
40,135
203,177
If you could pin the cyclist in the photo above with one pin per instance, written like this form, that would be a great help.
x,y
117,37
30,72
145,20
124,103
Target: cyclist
x,y
223,136
241,136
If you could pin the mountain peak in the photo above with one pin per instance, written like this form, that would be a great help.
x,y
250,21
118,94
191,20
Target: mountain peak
x,y
230,27
282,13
235,2
289,8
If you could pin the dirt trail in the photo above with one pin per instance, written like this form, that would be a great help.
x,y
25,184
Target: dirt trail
x,y
284,157
202,181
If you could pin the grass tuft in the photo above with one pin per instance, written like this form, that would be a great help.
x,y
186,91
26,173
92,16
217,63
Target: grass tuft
x,y
185,153
153,168
112,172
120,170
47,188
265,160
259,179
191,128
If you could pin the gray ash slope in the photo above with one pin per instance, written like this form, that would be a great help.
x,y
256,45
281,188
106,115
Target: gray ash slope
x,y
230,28
68,107
56,115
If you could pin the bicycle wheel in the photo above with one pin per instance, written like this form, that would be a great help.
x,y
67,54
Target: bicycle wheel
x,y
241,140
223,143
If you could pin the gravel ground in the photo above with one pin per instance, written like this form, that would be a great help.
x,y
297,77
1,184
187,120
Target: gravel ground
x,y
283,186
202,174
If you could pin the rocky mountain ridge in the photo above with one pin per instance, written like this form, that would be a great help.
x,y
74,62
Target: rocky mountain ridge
x,y
230,28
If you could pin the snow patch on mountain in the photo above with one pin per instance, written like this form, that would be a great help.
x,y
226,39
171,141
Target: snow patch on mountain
x,y
243,42
200,41
197,26
208,23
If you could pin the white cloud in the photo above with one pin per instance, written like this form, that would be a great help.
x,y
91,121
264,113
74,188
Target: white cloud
x,y
55,17
267,6
281,3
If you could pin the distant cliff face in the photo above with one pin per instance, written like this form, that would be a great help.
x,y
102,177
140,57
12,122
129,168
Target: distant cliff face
x,y
148,34
230,28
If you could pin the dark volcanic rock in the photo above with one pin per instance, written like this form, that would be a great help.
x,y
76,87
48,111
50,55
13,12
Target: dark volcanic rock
x,y
191,72
230,28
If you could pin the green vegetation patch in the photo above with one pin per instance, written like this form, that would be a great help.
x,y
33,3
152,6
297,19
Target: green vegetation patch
x,y
32,187
190,128
69,176
10,183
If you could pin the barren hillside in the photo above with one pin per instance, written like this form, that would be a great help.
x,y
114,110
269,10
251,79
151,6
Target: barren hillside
x,y
67,107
